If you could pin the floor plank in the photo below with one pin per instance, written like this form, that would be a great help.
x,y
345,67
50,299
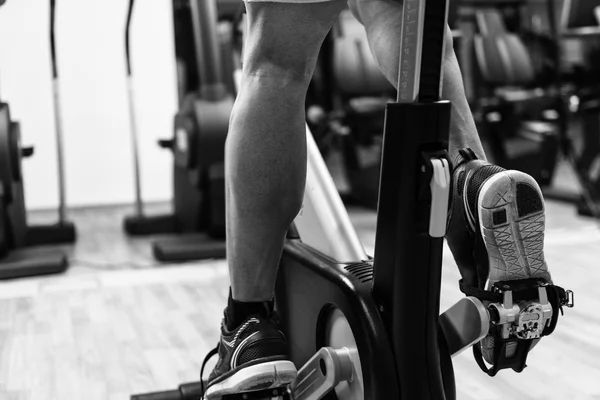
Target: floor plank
x,y
118,323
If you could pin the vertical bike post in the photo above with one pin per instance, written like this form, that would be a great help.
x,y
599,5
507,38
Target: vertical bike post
x,y
139,208
62,207
413,203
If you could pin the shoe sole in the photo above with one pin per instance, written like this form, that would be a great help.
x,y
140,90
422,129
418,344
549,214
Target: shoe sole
x,y
269,375
512,222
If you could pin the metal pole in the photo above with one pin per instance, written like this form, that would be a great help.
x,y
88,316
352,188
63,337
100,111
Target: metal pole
x,y
62,208
139,206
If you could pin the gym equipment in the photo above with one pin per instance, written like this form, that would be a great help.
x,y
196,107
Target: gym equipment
x,y
511,103
17,259
200,129
18,255
579,22
466,25
64,230
368,328
578,87
139,205
579,18
535,145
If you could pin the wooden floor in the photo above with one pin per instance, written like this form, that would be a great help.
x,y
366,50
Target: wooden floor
x,y
117,323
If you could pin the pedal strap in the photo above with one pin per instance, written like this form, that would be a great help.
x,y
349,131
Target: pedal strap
x,y
512,352
557,296
501,361
481,294
524,293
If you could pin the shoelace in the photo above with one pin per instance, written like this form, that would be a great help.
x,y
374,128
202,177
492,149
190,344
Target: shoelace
x,y
208,357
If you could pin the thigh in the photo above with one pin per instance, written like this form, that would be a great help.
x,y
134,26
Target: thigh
x,y
287,35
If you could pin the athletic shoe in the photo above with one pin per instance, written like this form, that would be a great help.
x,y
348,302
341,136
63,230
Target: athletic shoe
x,y
496,227
254,356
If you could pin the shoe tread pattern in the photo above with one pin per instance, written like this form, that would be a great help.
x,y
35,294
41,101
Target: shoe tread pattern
x,y
516,245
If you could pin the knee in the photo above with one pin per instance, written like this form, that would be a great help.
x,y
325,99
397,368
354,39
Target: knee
x,y
272,63
284,40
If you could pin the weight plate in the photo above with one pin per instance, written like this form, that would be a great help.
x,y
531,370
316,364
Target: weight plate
x,y
338,334
15,150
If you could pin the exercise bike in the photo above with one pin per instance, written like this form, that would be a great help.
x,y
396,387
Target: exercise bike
x,y
369,328
20,254
205,67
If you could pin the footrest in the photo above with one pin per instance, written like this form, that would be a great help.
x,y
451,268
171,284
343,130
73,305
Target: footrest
x,y
464,324
51,234
141,225
323,372
32,262
188,248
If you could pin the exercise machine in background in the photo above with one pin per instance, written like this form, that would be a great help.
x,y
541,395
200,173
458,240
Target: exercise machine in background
x,y
370,328
64,230
581,89
17,258
534,109
20,251
519,114
205,66
345,108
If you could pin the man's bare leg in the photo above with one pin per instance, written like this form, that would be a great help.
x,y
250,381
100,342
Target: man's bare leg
x,y
266,146
265,166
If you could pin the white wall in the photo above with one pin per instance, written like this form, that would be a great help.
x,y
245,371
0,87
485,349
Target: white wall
x,y
91,62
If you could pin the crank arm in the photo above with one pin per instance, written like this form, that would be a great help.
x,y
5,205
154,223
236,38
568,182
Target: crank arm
x,y
464,324
324,371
